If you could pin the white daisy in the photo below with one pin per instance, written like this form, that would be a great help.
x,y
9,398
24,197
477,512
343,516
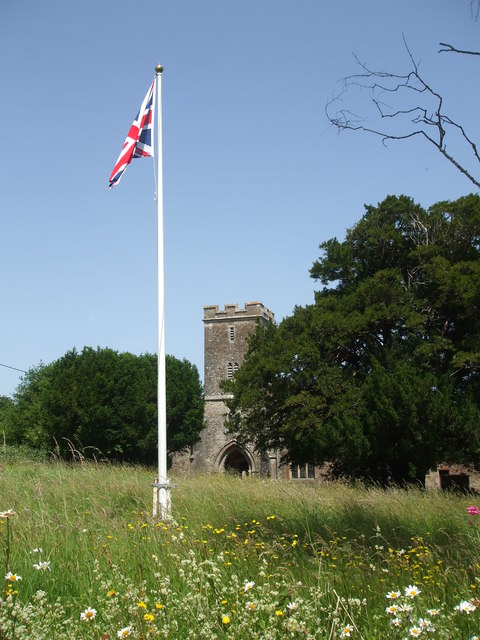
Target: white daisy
x,y
12,577
412,590
88,614
465,607
392,609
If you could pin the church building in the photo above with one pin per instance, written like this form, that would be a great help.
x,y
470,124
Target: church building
x,y
225,345
226,334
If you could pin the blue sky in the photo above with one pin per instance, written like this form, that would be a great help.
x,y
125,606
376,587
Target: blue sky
x,y
254,176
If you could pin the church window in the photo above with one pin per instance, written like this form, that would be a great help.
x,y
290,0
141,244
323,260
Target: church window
x,y
230,370
304,471
231,333
235,367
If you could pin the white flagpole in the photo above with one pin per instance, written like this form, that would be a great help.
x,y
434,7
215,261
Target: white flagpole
x,y
161,492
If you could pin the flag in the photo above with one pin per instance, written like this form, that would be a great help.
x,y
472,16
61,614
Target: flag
x,y
139,143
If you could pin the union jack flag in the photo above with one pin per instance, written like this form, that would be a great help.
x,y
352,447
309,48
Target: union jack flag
x,y
139,143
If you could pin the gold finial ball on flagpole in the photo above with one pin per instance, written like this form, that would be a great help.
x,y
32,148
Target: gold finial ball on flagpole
x,y
158,68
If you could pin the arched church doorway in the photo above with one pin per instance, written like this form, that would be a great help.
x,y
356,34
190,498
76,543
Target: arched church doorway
x,y
235,459
236,462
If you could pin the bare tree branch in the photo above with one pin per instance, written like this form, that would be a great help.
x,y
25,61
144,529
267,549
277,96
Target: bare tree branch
x,y
451,49
475,9
429,122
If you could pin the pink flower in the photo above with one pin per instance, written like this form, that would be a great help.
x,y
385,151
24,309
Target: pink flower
x,y
473,511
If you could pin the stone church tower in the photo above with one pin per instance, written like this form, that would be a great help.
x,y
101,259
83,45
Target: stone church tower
x,y
226,333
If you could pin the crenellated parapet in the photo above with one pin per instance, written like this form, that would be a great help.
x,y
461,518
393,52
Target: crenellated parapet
x,y
232,311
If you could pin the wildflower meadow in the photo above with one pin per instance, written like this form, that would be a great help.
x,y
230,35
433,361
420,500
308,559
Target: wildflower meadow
x,y
84,558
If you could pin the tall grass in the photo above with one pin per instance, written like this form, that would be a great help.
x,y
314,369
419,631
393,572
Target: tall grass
x,y
322,558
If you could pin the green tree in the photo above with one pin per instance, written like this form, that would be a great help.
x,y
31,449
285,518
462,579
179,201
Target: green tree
x,y
184,404
381,376
104,400
6,405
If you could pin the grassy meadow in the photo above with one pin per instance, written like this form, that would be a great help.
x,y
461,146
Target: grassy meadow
x,y
83,558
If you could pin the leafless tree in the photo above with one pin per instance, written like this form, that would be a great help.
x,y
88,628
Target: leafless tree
x,y
418,112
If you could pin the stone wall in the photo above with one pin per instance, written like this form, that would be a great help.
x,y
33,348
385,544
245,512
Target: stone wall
x,y
453,477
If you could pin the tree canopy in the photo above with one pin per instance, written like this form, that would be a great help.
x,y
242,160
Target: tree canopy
x,y
105,400
381,376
